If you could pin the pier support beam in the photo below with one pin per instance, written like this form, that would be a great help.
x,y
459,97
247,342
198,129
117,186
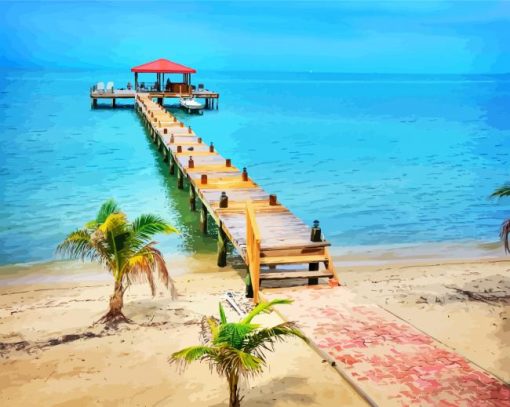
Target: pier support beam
x,y
171,168
180,179
222,247
192,198
160,101
203,219
316,236
114,102
94,102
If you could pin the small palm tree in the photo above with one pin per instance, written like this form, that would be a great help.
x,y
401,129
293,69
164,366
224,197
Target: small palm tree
x,y
505,226
125,248
236,349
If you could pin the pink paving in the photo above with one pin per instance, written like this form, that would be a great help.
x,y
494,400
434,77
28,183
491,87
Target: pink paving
x,y
388,359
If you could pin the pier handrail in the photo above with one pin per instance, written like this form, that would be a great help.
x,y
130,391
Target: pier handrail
x,y
253,249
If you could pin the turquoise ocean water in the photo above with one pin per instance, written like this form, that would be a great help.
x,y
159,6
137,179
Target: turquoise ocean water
x,y
378,159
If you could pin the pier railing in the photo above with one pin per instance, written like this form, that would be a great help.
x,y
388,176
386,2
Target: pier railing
x,y
253,249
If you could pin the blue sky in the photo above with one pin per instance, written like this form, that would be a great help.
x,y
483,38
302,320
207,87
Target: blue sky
x,y
333,36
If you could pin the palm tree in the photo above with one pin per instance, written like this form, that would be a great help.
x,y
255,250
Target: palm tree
x,y
505,226
125,248
236,349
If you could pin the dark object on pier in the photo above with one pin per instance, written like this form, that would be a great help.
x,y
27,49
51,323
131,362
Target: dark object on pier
x,y
211,148
191,163
272,200
223,200
179,149
203,179
245,174
228,162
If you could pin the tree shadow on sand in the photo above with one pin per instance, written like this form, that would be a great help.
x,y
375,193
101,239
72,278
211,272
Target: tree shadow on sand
x,y
283,388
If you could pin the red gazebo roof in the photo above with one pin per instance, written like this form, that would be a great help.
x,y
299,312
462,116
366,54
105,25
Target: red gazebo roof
x,y
162,66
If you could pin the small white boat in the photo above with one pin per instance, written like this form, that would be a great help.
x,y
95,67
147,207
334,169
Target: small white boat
x,y
191,104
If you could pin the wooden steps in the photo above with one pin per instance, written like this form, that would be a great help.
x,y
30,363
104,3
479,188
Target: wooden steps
x,y
287,275
275,260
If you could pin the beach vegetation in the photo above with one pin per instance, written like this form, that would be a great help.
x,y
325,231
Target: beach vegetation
x,y
504,232
236,350
126,249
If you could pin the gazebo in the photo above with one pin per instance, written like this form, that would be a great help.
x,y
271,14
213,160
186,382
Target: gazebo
x,y
161,67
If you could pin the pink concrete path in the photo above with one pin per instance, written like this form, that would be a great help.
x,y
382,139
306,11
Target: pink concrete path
x,y
389,360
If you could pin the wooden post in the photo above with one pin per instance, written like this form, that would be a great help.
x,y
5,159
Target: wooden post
x,y
192,198
249,285
171,168
94,102
203,219
180,179
222,247
315,236
223,200
113,102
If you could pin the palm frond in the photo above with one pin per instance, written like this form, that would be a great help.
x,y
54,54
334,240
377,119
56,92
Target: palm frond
x,y
139,269
264,307
233,333
141,266
505,234
250,364
230,361
146,226
501,191
114,223
78,245
162,270
223,317
264,339
107,208
211,333
191,354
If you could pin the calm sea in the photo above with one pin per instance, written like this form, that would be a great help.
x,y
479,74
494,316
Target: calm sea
x,y
379,159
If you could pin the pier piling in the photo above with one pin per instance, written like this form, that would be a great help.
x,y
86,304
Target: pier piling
x,y
203,219
192,198
222,247
315,236
180,179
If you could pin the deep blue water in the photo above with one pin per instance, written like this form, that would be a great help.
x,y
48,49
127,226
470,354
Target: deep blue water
x,y
378,159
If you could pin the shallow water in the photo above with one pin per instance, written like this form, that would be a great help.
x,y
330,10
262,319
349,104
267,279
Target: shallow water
x,y
379,160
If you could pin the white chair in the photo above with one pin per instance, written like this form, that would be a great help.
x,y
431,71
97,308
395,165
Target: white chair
x,y
109,87
100,87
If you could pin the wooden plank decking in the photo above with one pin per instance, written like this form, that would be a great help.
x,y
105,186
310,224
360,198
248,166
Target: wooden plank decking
x,y
267,235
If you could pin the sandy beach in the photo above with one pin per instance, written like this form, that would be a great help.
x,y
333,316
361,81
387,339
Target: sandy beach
x,y
52,354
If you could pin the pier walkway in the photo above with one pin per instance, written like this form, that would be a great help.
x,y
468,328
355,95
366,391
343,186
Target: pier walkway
x,y
272,241
386,359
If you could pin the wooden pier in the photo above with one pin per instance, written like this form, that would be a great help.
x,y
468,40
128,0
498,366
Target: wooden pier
x,y
272,241
211,99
